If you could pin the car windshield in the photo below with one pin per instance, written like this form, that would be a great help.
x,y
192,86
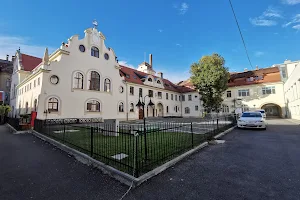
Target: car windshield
x,y
261,111
251,115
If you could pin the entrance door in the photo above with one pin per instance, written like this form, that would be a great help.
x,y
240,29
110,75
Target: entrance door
x,y
141,113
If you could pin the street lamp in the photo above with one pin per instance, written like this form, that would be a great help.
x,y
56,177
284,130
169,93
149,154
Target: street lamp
x,y
141,104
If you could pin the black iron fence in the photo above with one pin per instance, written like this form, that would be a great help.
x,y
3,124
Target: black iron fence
x,y
14,122
133,147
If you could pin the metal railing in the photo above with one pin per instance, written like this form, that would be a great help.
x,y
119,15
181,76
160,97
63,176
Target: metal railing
x,y
14,122
133,147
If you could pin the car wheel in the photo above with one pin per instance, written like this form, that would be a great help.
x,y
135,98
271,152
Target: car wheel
x,y
264,128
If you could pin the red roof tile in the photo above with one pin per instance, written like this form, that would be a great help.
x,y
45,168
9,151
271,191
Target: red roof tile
x,y
30,62
135,76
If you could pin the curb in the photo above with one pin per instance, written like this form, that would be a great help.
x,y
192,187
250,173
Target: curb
x,y
118,175
295,121
224,132
15,131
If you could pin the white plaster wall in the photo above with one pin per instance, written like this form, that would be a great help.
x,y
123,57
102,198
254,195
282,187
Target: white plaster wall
x,y
256,97
73,101
292,93
191,104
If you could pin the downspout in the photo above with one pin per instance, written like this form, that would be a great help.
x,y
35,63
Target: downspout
x,y
126,100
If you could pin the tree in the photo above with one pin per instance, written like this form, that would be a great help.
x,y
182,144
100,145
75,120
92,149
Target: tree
x,y
210,77
4,110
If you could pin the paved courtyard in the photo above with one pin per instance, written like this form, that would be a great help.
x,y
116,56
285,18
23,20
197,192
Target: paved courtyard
x,y
251,164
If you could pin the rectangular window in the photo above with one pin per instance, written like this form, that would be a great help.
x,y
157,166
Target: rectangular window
x,y
244,93
171,96
131,90
228,94
159,94
175,97
179,97
140,92
38,81
196,108
183,97
150,93
34,83
268,90
30,86
190,97
167,96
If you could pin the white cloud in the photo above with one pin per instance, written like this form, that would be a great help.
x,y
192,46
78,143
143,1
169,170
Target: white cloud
x,y
125,63
294,20
297,27
262,22
9,45
179,45
267,18
276,33
259,53
160,30
272,12
290,2
182,8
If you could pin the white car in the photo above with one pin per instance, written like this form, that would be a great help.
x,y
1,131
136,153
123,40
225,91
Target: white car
x,y
263,112
252,120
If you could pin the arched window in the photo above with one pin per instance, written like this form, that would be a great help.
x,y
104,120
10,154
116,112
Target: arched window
x,y
78,80
93,106
121,107
35,105
94,81
26,107
53,104
131,107
95,52
150,79
19,107
187,110
107,86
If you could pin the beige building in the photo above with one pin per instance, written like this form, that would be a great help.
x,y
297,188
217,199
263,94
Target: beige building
x,y
5,79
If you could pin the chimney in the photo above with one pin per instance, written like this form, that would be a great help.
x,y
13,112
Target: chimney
x,y
245,69
160,74
13,58
150,59
256,67
7,56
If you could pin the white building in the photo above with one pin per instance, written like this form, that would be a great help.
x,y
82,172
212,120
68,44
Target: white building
x,y
82,79
291,74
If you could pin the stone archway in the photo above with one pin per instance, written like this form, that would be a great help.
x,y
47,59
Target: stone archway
x,y
272,110
160,110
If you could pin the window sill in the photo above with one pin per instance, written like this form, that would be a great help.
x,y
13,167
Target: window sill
x,y
92,112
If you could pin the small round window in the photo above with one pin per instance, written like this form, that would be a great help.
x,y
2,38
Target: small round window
x,y
106,56
81,48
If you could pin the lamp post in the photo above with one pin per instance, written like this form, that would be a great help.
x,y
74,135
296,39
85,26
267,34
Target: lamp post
x,y
141,104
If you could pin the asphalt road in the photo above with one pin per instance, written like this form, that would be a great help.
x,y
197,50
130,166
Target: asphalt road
x,y
251,164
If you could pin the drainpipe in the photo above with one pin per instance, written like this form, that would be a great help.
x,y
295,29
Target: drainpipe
x,y
286,106
126,100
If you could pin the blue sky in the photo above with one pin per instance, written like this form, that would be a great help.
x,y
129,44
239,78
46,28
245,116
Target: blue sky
x,y
177,33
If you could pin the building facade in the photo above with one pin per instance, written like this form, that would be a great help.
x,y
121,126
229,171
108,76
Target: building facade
x,y
5,79
291,75
83,79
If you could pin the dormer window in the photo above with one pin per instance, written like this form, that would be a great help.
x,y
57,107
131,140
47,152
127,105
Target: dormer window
x,y
158,82
127,76
95,52
150,79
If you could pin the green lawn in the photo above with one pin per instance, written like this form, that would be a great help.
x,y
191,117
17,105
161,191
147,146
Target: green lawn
x,y
161,146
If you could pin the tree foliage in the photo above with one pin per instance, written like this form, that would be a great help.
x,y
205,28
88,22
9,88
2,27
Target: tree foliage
x,y
210,77
4,110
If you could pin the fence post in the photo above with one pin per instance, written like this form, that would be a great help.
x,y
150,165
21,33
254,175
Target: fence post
x,y
192,134
92,141
217,125
64,132
136,167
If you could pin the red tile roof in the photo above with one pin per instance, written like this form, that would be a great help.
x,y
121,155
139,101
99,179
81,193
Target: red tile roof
x,y
135,76
30,62
270,75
